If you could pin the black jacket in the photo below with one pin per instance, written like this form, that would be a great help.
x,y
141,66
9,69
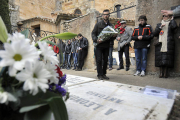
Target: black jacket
x,y
165,59
62,46
68,49
97,30
145,31
83,43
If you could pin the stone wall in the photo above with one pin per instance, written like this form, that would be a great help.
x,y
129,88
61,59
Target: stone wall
x,y
152,9
33,8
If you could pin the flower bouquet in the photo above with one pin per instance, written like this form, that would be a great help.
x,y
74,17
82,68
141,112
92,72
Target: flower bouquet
x,y
106,34
32,86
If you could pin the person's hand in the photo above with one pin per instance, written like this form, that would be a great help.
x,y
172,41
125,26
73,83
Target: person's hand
x,y
125,43
80,49
167,12
72,52
163,25
179,37
99,40
118,38
140,37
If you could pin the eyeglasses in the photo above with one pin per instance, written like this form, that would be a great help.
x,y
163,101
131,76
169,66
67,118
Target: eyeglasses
x,y
165,16
106,14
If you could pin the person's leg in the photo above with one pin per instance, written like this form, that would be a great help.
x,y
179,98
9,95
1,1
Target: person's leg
x,y
99,61
64,59
110,57
84,54
121,66
126,51
73,54
138,59
76,60
144,59
105,58
69,60
80,59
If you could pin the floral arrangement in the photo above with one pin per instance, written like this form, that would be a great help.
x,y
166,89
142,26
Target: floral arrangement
x,y
118,28
32,86
106,34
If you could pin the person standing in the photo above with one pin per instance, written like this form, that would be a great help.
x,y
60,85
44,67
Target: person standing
x,y
142,36
74,52
124,39
83,50
165,47
102,49
68,54
110,54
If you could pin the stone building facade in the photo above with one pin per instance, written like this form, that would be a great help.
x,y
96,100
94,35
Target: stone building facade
x,y
152,9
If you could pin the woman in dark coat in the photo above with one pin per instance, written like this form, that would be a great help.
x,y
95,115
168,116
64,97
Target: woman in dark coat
x,y
164,48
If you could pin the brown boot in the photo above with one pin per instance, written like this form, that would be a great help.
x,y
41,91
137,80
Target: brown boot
x,y
161,72
166,72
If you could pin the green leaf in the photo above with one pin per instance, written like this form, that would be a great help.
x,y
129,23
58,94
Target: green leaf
x,y
41,113
58,108
25,33
3,31
51,43
29,108
65,36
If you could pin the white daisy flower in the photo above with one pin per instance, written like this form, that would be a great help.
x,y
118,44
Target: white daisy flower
x,y
17,36
5,97
48,53
52,69
16,54
34,76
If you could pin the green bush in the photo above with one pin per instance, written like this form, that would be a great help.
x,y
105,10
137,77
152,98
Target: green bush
x,y
4,13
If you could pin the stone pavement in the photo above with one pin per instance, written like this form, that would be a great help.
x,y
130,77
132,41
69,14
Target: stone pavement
x,y
125,77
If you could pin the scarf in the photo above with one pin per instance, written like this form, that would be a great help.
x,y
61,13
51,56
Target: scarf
x,y
163,35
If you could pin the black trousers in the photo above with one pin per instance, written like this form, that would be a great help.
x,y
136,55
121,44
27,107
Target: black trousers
x,y
81,58
124,49
101,54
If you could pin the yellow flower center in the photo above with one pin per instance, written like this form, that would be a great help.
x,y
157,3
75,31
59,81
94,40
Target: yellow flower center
x,y
17,57
34,75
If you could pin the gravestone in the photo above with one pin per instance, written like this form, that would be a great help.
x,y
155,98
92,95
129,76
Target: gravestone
x,y
99,100
75,80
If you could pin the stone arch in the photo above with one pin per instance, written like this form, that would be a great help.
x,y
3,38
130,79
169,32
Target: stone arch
x,y
78,12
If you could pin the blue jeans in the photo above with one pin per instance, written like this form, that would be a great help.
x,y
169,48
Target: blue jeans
x,y
110,57
68,56
141,59
75,58
64,58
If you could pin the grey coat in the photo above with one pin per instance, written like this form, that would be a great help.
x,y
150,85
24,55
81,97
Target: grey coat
x,y
125,37
176,11
74,45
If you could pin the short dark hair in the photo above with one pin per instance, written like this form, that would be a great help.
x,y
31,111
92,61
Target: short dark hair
x,y
142,17
106,10
79,35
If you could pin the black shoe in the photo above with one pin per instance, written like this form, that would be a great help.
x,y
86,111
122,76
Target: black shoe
x,y
78,69
105,77
127,68
100,77
120,68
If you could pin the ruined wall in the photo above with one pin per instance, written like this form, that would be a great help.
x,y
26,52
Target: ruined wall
x,y
33,8
152,9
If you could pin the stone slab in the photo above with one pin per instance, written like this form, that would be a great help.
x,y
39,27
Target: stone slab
x,y
100,100
72,80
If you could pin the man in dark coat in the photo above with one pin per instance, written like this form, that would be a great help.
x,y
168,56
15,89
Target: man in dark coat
x,y
142,36
102,49
83,50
